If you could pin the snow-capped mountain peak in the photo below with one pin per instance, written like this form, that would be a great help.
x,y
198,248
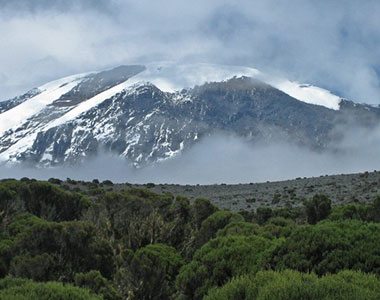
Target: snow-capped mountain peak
x,y
148,113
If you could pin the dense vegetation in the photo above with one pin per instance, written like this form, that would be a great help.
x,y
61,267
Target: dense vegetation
x,y
58,242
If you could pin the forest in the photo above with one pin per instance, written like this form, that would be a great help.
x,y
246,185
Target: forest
x,y
58,241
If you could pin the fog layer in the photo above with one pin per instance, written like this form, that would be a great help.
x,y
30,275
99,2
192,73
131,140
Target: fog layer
x,y
227,159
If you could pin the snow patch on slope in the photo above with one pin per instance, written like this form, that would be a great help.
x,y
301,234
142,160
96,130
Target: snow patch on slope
x,y
308,93
49,93
90,103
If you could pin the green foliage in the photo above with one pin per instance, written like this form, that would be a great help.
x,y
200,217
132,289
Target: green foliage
x,y
263,214
51,203
210,226
42,199
132,219
221,259
107,182
329,247
375,210
270,285
239,228
277,227
38,267
350,211
365,212
151,273
68,247
318,208
55,181
18,289
201,210
136,244
95,282
178,228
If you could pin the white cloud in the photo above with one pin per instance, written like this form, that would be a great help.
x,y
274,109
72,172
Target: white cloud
x,y
329,43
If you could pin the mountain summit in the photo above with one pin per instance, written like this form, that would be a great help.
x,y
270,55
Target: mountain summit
x,y
149,113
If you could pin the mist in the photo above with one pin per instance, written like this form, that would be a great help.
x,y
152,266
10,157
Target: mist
x,y
227,159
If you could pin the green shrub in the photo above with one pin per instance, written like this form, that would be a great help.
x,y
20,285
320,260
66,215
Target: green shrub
x,y
221,259
201,210
239,228
38,267
270,285
263,214
351,212
318,208
18,289
151,273
329,247
72,247
95,282
218,220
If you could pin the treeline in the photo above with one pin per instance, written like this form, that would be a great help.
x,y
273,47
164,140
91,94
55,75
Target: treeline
x,y
59,243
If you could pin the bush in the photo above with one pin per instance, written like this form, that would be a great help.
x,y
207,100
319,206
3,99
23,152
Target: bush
x,y
151,273
201,210
318,208
95,282
107,182
375,210
270,285
38,267
221,259
350,212
239,228
213,223
329,247
42,199
69,247
18,289
263,214
55,181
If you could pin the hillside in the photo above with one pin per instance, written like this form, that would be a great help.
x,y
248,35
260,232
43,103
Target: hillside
x,y
342,189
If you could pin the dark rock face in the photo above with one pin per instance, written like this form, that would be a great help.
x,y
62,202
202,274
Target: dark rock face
x,y
97,83
145,125
9,104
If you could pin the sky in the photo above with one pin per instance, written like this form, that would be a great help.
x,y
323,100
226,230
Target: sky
x,y
330,43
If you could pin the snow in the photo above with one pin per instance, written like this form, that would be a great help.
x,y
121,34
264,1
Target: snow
x,y
172,77
90,103
49,93
307,93
19,147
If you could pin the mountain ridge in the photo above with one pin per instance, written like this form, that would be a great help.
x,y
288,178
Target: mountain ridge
x,y
140,113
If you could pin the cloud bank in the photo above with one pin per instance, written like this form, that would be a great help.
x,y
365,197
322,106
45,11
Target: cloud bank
x,y
333,44
228,159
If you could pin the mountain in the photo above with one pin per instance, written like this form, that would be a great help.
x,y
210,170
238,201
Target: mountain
x,y
149,113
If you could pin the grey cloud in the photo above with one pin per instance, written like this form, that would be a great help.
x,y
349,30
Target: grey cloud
x,y
332,44
63,6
